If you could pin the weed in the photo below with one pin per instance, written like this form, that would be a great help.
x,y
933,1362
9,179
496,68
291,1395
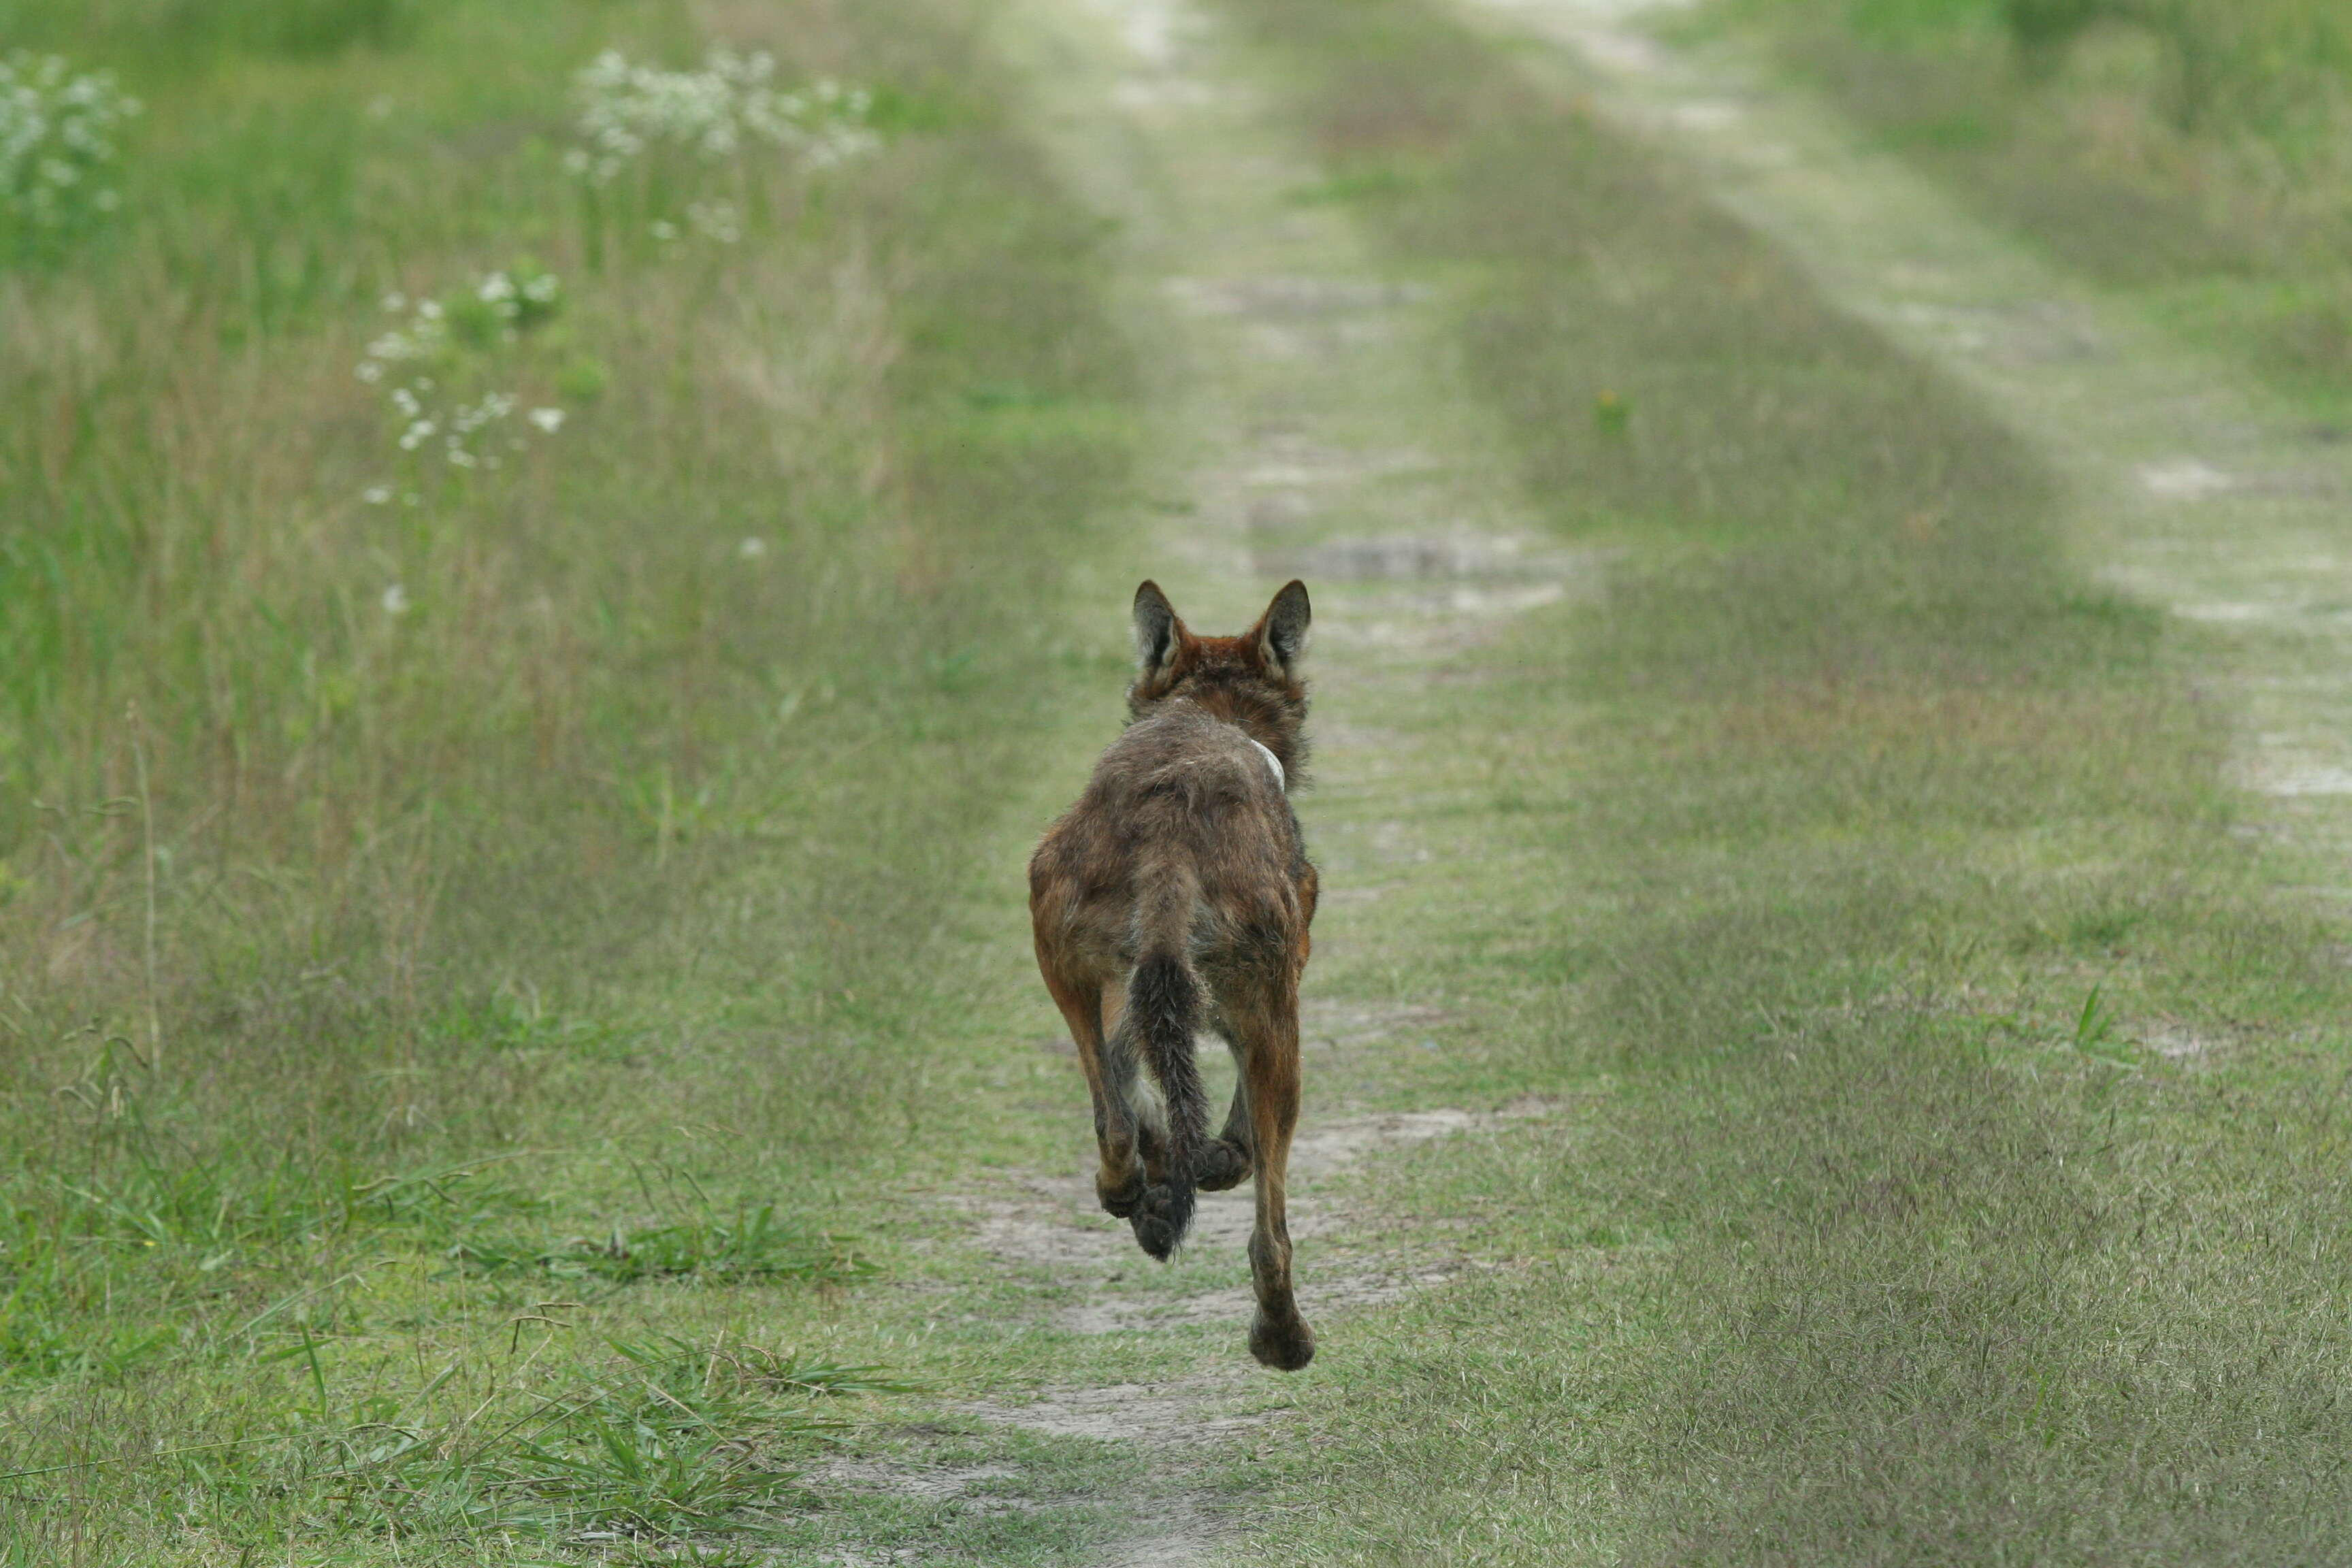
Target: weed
x,y
676,132
59,143
750,1244
662,1441
629,111
2094,1030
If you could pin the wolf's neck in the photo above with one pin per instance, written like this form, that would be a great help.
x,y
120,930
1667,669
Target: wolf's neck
x,y
1265,730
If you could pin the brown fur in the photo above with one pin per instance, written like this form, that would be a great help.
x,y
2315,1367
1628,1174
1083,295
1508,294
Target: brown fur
x,y
1175,896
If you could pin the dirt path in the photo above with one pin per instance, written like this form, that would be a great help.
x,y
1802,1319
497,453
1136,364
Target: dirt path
x,y
2193,488
1306,419
1303,422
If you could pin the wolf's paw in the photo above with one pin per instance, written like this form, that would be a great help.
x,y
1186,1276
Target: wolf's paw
x,y
1120,1199
1285,1344
1224,1164
1157,1226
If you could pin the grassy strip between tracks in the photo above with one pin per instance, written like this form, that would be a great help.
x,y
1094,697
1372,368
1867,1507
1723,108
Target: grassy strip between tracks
x,y
464,899
1951,1166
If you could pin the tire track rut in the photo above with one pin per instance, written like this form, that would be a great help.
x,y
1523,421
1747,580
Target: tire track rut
x,y
2193,488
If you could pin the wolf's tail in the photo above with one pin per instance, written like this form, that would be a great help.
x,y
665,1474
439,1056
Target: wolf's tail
x,y
1163,1013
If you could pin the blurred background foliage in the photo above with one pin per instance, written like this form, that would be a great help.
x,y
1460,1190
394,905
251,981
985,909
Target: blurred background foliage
x,y
2197,150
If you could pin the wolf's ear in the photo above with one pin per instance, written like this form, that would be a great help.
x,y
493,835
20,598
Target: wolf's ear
x,y
1282,630
1158,633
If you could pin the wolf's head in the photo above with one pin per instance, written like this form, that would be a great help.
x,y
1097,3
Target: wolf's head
x,y
1251,681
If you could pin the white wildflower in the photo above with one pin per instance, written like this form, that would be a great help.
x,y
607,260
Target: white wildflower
x,y
716,220
377,495
427,335
57,131
496,406
751,549
396,600
627,110
520,303
458,427
424,337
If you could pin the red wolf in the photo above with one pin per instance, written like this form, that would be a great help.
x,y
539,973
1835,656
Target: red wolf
x,y
1175,897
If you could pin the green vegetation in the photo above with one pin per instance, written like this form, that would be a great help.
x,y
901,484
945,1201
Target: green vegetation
x,y
500,668
2197,151
519,643
295,28
1876,913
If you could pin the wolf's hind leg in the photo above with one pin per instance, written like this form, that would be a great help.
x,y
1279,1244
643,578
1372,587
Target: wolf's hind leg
x,y
1092,1011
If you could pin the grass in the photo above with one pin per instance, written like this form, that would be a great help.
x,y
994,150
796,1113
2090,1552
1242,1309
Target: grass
x,y
2192,154
472,1060
461,926
1872,875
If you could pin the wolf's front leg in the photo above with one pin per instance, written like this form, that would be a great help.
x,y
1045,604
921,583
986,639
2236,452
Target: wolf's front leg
x,y
1225,1162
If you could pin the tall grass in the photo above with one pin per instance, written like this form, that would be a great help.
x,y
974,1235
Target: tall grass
x,y
420,731
395,854
1884,860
